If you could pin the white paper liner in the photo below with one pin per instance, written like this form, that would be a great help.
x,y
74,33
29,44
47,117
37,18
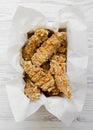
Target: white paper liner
x,y
27,19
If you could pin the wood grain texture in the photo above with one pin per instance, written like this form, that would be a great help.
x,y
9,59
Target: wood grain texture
x,y
42,120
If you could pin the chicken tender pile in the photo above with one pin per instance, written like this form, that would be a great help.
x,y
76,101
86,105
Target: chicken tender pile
x,y
44,63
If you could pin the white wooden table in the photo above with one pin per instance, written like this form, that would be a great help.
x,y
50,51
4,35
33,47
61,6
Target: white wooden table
x,y
42,120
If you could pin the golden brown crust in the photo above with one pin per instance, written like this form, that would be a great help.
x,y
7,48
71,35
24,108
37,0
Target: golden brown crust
x,y
57,60
62,50
53,92
41,79
46,83
63,84
61,78
31,90
30,69
48,48
33,42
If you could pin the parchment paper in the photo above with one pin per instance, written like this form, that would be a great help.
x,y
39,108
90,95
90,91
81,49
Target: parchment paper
x,y
27,19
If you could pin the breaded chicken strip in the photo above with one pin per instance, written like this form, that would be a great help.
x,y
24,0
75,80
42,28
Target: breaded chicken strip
x,y
33,42
41,79
59,71
46,83
60,60
31,90
48,48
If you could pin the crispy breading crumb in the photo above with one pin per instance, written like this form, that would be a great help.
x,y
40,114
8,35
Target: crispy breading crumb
x,y
48,48
33,42
41,79
31,90
61,78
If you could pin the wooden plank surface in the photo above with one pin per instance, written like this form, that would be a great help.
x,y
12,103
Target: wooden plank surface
x,y
42,120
